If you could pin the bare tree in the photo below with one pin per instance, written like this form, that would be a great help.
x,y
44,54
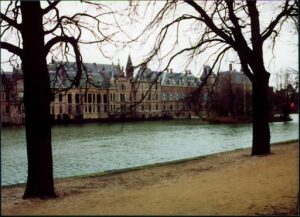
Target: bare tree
x,y
222,26
286,93
41,31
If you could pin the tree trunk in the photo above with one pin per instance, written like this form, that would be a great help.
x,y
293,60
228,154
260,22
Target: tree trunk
x,y
261,129
37,104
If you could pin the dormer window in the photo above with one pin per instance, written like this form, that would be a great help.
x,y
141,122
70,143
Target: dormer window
x,y
123,86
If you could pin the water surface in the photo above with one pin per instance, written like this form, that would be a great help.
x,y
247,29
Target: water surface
x,y
90,148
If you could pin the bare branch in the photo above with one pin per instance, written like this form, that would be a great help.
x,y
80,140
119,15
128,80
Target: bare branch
x,y
10,21
12,48
74,44
51,6
209,22
285,12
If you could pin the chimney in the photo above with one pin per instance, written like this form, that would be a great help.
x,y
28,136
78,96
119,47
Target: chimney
x,y
230,66
171,70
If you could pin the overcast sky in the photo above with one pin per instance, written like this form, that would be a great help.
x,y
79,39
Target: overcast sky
x,y
285,52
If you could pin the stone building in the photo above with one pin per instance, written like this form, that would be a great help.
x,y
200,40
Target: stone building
x,y
108,92
227,93
92,99
146,94
176,89
12,108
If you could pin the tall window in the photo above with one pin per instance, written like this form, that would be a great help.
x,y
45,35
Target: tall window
x,y
94,98
77,98
78,109
98,98
60,97
105,98
122,97
90,98
69,98
123,87
122,108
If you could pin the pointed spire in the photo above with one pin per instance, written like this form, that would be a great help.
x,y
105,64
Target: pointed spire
x,y
129,63
119,67
129,68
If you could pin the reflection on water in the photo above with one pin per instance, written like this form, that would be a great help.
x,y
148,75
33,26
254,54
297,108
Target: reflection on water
x,y
91,148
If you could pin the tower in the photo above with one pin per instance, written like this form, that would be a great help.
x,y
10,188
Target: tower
x,y
129,68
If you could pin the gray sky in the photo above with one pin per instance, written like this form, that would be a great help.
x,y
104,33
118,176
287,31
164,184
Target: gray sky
x,y
285,51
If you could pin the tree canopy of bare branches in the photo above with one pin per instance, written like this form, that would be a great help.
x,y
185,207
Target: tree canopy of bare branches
x,y
216,28
31,30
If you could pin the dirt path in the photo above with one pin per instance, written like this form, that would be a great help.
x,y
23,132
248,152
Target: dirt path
x,y
232,183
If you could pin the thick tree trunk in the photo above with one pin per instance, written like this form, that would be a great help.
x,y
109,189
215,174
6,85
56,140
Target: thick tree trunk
x,y
37,104
261,129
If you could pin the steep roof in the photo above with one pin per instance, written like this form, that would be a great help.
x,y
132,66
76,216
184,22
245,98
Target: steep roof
x,y
147,75
180,79
129,65
99,75
205,72
236,77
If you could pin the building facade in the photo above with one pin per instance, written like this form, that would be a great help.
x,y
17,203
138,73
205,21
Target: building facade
x,y
227,93
12,107
106,92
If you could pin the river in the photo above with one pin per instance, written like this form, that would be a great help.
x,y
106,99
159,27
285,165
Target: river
x,y
98,147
